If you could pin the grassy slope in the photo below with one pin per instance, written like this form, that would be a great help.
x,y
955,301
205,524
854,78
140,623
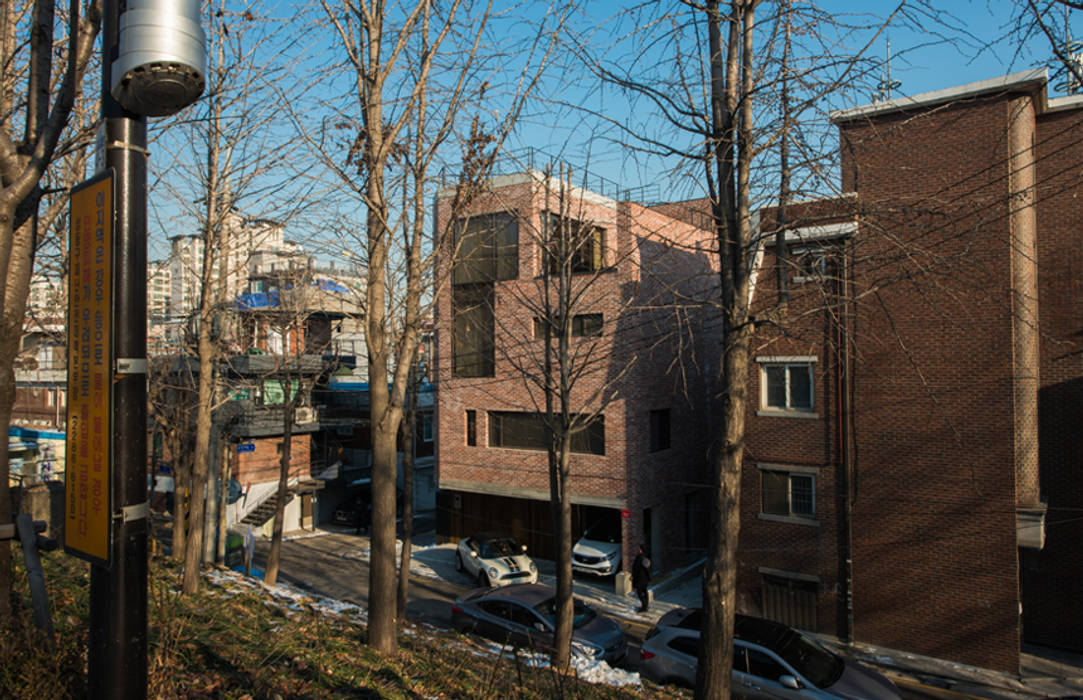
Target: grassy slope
x,y
234,640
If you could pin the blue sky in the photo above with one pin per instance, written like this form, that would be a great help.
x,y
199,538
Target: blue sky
x,y
960,41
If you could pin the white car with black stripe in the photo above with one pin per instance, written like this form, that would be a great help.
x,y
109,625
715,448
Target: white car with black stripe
x,y
495,560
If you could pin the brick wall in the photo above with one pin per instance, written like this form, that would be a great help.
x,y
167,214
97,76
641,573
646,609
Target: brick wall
x,y
1053,578
651,259
263,464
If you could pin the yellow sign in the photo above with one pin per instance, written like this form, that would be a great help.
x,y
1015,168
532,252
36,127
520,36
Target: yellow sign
x,y
90,371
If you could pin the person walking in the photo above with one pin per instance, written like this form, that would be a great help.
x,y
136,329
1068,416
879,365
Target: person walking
x,y
641,578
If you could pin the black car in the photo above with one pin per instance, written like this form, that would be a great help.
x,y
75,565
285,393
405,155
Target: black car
x,y
524,615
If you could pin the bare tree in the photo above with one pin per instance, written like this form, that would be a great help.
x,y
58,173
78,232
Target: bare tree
x,y
27,45
232,135
732,91
299,303
417,69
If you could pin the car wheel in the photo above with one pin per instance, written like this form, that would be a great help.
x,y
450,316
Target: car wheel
x,y
458,561
483,579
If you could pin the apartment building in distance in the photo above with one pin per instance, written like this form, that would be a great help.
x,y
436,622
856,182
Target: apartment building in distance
x,y
912,465
637,338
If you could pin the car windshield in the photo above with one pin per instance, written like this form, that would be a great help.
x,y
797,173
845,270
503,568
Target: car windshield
x,y
581,614
506,547
819,666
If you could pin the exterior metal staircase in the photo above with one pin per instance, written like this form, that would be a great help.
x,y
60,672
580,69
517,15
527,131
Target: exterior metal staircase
x,y
264,511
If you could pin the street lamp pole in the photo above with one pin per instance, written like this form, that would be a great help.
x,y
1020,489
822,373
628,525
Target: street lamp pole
x,y
117,650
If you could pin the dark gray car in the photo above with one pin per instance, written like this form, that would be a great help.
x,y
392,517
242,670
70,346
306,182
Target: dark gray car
x,y
523,615
770,660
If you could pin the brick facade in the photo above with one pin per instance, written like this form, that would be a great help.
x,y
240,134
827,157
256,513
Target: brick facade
x,y
649,357
951,413
937,303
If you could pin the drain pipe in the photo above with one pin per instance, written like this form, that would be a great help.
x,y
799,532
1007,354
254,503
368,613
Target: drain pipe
x,y
844,410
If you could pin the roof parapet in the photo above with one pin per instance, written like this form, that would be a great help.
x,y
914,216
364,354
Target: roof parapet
x,y
1033,79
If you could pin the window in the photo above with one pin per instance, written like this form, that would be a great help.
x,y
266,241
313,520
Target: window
x,y
487,248
809,263
788,493
659,430
426,427
474,326
786,384
764,666
686,645
581,244
583,326
526,431
472,428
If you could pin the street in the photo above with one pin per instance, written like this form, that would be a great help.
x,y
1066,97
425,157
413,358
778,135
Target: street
x,y
332,565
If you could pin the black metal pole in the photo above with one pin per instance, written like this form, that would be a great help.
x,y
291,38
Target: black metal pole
x,y
117,665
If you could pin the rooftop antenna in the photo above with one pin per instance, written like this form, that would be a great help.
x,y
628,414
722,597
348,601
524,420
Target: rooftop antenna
x,y
886,84
1070,53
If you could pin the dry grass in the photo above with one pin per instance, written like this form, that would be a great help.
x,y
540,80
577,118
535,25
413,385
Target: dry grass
x,y
235,640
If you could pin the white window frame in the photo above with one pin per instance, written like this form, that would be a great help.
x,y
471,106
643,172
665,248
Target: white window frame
x,y
790,471
788,361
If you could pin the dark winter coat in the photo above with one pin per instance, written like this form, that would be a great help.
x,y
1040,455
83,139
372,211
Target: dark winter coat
x,y
641,571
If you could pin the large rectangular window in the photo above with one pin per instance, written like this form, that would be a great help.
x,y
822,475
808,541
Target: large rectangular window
x,y
486,248
581,244
472,340
526,431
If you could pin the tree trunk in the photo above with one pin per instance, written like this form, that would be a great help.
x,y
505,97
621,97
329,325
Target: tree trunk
x,y
270,575
383,627
193,551
719,574
408,461
16,288
562,643
182,481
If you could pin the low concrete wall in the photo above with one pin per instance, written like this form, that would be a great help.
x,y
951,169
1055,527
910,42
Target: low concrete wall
x,y
43,502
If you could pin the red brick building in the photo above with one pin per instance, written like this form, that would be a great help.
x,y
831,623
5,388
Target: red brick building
x,y
641,368
918,414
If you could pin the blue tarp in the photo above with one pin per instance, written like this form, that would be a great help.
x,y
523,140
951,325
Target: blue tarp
x,y
257,300
330,286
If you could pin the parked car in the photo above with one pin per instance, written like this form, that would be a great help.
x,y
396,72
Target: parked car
x,y
770,660
524,615
598,551
495,560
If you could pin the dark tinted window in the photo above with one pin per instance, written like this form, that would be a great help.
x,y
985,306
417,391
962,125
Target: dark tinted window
x,y
659,430
487,248
819,666
527,431
473,329
583,326
764,666
495,607
581,244
581,614
686,645
521,615
500,548
471,428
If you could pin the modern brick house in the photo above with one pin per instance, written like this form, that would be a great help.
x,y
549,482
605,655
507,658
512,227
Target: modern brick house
x,y
639,336
921,417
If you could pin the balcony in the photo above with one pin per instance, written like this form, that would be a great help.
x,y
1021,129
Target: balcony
x,y
249,365
244,419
